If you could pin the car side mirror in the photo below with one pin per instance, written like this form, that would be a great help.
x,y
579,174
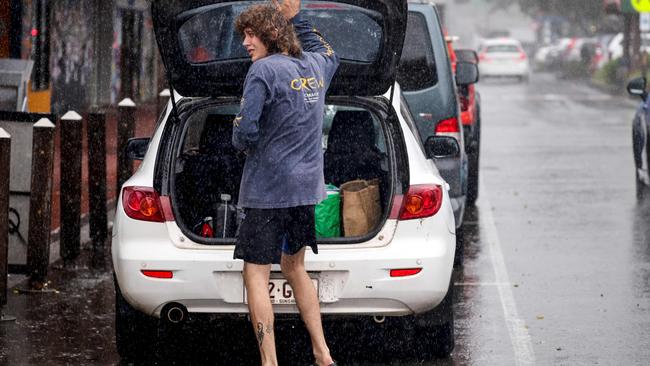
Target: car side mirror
x,y
466,73
466,55
638,87
439,147
137,147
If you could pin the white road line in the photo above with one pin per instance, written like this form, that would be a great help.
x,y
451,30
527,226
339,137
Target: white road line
x,y
552,98
519,336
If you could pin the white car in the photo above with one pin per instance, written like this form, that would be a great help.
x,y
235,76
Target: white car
x,y
503,57
166,267
615,46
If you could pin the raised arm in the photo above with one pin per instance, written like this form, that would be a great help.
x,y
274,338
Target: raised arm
x,y
310,37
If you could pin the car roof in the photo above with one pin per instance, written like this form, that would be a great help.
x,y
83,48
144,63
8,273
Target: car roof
x,y
499,41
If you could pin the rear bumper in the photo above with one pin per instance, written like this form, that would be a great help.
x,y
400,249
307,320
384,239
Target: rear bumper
x,y
354,280
507,69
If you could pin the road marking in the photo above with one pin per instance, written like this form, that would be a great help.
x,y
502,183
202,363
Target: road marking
x,y
519,336
552,98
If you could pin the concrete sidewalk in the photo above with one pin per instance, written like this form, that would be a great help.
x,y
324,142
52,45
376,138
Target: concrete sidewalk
x,y
69,324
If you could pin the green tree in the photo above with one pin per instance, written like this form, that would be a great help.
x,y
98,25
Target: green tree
x,y
583,14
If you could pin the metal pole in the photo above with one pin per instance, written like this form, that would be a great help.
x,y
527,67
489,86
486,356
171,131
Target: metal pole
x,y
97,181
71,124
5,154
125,131
127,54
40,203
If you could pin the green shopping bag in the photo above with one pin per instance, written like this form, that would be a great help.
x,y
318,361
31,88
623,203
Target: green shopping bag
x,y
328,214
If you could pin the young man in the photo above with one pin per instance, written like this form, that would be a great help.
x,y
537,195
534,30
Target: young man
x,y
280,129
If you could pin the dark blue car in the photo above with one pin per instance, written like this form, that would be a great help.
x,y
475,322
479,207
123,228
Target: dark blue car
x,y
640,137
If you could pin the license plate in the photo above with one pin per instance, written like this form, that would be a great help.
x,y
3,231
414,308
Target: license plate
x,y
280,291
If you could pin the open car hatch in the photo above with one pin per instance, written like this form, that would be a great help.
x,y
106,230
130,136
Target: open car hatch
x,y
204,56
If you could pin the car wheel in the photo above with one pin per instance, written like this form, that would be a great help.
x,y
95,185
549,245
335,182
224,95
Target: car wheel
x,y
135,332
460,247
436,336
642,190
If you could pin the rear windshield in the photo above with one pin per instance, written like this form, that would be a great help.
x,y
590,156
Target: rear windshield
x,y
354,33
417,69
504,48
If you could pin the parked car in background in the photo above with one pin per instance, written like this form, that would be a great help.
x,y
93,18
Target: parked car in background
x,y
641,137
558,52
429,87
503,57
615,46
542,56
399,271
470,111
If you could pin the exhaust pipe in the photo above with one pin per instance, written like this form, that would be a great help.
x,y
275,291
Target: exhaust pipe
x,y
379,319
175,313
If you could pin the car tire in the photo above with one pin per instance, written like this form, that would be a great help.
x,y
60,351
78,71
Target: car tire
x,y
474,159
642,190
459,256
472,173
436,339
135,332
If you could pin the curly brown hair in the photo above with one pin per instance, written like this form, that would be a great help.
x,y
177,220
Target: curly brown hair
x,y
272,28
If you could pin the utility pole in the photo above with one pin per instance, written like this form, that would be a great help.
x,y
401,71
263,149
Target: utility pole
x,y
41,45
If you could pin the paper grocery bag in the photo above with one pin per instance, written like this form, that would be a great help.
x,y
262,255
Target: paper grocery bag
x,y
361,207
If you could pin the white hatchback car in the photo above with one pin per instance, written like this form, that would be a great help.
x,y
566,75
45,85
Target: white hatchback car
x,y
167,267
503,57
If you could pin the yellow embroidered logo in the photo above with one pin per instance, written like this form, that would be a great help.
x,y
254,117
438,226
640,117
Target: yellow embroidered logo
x,y
642,6
307,83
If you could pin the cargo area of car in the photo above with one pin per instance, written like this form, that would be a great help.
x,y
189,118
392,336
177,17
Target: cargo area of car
x,y
207,170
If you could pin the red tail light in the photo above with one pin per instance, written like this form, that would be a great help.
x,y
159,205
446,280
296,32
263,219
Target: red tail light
x,y
448,126
522,56
483,57
143,203
421,201
158,274
405,272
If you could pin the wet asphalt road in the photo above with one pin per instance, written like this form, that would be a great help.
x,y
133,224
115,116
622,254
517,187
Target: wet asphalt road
x,y
557,268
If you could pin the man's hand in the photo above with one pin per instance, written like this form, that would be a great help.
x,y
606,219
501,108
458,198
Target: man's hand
x,y
288,8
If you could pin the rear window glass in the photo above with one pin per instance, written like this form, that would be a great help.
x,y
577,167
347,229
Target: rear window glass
x,y
507,48
417,69
354,33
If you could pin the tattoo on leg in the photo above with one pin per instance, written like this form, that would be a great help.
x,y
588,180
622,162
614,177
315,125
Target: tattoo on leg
x,y
260,333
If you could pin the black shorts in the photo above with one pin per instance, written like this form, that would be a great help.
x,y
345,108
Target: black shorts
x,y
265,234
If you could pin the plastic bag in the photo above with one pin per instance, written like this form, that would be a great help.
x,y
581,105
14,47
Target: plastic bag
x,y
328,214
